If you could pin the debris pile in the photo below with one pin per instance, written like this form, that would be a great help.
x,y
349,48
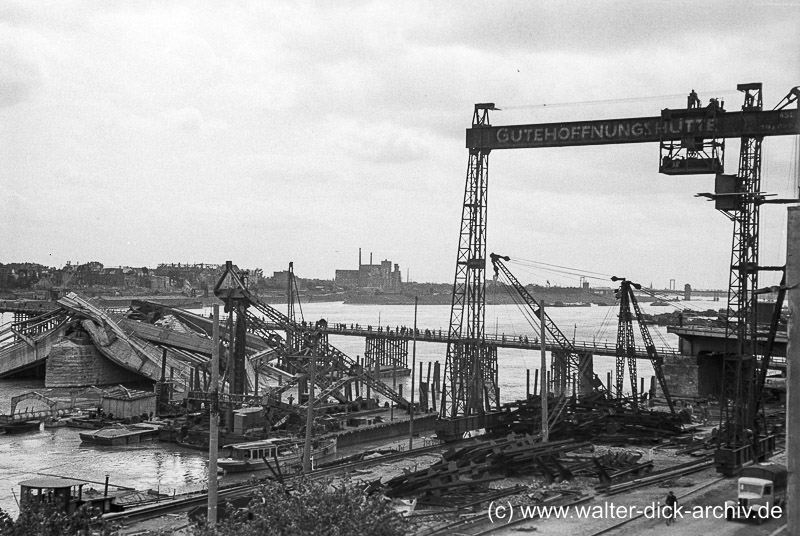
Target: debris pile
x,y
591,417
463,477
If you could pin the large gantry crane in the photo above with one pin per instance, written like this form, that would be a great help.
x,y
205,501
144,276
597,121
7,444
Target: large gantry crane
x,y
691,142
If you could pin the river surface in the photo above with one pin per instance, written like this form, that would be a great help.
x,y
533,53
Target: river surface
x,y
169,468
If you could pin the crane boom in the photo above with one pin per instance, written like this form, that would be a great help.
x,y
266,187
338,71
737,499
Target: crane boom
x,y
569,358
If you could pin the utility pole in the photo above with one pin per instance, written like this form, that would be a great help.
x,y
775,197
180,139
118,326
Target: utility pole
x,y
793,372
213,432
310,414
413,370
545,390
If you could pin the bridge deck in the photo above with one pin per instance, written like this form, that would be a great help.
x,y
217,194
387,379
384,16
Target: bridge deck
x,y
501,341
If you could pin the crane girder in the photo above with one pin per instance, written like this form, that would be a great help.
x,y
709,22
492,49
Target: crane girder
x,y
636,130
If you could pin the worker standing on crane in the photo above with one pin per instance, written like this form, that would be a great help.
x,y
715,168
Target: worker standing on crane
x,y
693,100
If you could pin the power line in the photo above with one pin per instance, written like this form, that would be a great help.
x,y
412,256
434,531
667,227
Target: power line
x,y
566,270
608,101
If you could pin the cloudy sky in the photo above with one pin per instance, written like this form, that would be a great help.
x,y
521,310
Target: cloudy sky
x,y
135,133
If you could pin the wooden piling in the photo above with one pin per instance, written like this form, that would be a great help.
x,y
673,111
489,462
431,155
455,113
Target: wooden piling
x,y
430,387
527,384
436,385
366,366
358,382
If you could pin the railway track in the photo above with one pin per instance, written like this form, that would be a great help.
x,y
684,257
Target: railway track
x,y
681,498
470,524
480,524
192,500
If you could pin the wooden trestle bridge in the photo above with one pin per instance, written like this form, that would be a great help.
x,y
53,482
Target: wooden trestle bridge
x,y
519,342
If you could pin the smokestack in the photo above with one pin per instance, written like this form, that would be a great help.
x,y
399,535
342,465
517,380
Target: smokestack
x,y
359,257
370,258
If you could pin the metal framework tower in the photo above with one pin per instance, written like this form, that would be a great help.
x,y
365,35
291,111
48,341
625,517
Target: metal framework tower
x,y
626,344
739,365
471,367
236,305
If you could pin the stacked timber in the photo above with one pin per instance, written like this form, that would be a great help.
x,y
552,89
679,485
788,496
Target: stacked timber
x,y
591,418
463,475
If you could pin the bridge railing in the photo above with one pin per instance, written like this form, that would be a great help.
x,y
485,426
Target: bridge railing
x,y
507,341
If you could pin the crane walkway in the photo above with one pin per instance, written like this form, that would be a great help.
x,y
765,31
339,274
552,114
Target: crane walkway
x,y
520,342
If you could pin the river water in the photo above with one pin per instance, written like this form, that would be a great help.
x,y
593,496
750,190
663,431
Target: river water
x,y
169,468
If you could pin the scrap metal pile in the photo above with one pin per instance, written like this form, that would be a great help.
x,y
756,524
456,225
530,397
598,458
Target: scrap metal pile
x,y
462,478
593,417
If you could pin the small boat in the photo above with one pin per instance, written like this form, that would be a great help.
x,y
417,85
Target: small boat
x,y
22,427
54,423
66,494
287,452
188,444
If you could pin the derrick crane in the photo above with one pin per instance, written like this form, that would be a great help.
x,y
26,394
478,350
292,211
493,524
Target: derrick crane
x,y
683,135
568,360
334,369
626,345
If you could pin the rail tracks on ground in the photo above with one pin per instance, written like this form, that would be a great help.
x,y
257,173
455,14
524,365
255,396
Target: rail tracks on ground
x,y
469,524
480,524
195,499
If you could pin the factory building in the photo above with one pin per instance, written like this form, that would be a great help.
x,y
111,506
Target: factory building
x,y
383,276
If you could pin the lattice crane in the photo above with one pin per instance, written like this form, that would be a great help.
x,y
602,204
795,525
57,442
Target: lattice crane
x,y
626,344
334,369
739,197
568,360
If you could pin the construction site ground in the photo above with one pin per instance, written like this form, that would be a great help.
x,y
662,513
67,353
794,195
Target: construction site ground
x,y
620,514
704,489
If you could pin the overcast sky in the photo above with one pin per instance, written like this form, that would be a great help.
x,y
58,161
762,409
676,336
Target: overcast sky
x,y
135,133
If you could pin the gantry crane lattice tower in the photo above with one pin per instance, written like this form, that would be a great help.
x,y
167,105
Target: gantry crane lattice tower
x,y
471,366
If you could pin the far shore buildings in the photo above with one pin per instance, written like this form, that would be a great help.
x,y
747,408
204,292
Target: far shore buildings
x,y
377,276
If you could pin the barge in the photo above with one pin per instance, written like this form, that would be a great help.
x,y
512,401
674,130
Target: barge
x,y
287,453
120,435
